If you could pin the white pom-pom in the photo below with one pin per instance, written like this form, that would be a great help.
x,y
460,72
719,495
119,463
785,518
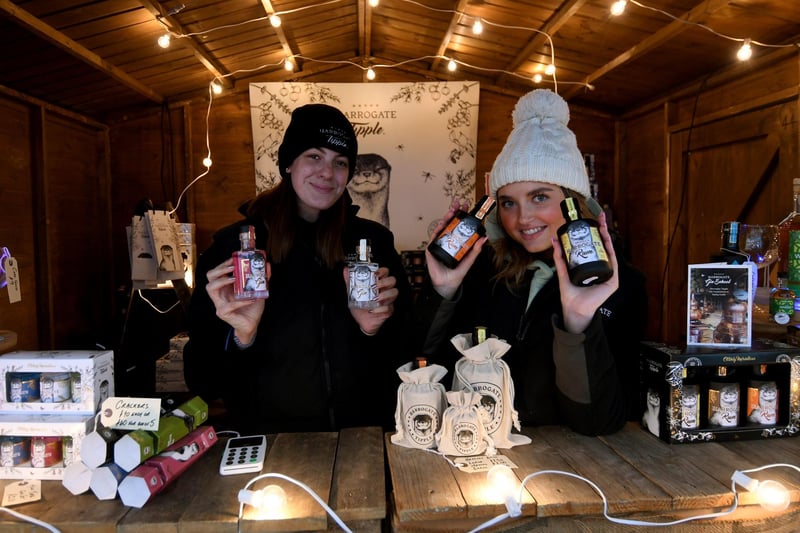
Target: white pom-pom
x,y
541,104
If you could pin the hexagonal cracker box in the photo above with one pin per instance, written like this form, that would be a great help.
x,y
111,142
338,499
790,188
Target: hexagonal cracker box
x,y
57,381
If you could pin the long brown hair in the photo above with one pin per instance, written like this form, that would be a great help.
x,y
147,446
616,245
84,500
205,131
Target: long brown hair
x,y
511,259
278,208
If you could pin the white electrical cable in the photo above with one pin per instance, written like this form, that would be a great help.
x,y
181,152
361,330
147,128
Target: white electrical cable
x,y
31,520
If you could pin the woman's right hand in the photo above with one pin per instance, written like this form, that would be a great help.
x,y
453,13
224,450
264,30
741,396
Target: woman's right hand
x,y
242,315
445,280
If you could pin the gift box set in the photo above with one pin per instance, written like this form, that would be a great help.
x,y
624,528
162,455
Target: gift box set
x,y
701,394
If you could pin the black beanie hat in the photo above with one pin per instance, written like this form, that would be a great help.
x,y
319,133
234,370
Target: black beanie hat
x,y
317,126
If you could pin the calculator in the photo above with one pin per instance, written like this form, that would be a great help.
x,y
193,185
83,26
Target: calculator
x,y
243,455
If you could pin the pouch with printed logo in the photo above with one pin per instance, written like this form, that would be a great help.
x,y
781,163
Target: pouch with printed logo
x,y
482,371
463,430
420,403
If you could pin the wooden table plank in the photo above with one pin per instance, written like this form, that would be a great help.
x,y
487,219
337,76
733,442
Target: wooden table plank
x,y
624,487
423,485
359,489
308,458
554,495
667,466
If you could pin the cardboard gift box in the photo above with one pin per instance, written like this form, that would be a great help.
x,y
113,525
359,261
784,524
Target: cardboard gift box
x,y
40,446
701,394
60,381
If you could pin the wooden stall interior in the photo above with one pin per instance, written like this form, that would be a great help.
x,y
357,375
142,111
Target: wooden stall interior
x,y
97,117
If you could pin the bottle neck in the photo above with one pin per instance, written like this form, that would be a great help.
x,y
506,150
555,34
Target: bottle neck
x,y
483,207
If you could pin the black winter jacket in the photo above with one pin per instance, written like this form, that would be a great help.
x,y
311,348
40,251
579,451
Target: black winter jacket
x,y
310,368
555,383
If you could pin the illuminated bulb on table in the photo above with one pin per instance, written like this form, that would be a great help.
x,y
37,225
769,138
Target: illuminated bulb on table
x,y
771,495
164,40
275,20
271,500
503,482
618,7
745,52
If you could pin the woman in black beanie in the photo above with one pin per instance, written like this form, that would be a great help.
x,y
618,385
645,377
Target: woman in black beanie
x,y
301,360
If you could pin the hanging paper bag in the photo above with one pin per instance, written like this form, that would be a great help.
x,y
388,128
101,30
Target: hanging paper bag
x,y
143,263
421,401
164,233
463,432
482,370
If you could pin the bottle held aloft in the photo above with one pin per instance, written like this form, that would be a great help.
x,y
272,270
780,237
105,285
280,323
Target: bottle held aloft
x,y
363,279
250,268
586,257
461,233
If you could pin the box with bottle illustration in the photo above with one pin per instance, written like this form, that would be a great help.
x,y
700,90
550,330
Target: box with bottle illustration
x,y
702,394
719,302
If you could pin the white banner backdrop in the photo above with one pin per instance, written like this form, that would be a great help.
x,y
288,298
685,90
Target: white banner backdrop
x,y
416,145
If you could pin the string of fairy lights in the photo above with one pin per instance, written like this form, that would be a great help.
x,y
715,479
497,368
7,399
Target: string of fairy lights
x,y
544,72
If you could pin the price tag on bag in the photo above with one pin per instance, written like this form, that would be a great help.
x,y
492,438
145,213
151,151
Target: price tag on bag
x,y
12,278
131,413
22,492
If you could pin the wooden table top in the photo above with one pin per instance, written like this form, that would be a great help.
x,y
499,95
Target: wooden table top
x,y
642,477
346,469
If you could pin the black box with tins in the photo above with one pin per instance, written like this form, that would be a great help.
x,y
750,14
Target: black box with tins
x,y
705,394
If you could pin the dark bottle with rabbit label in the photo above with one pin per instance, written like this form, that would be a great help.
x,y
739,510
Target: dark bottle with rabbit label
x,y
461,233
586,257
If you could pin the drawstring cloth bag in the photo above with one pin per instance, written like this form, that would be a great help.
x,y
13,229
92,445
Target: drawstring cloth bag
x,y
463,432
481,370
421,402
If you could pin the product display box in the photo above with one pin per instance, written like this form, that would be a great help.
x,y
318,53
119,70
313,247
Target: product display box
x,y
701,394
40,446
60,381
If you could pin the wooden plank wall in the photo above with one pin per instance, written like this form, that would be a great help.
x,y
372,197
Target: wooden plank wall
x,y
54,204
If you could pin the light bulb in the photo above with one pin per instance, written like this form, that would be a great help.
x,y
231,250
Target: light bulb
x,y
537,78
270,501
452,65
745,52
164,40
550,69
370,74
618,7
503,482
770,494
207,162
288,65
275,20
477,26
373,3
216,88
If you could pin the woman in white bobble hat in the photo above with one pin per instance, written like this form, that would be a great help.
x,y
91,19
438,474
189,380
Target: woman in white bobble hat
x,y
574,355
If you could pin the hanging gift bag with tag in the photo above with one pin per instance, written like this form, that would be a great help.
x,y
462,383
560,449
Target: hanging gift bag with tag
x,y
463,432
421,401
482,371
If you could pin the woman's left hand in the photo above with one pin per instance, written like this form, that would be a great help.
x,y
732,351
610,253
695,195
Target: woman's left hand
x,y
579,304
371,320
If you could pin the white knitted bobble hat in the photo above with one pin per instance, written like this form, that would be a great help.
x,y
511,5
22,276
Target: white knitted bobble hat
x,y
540,147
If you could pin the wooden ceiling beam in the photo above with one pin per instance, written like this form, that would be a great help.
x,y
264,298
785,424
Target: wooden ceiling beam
x,y
551,27
459,12
200,52
694,16
364,29
56,38
285,45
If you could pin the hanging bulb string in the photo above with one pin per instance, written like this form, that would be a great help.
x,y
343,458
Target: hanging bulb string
x,y
708,28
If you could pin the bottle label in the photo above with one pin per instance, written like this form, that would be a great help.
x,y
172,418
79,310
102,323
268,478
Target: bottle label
x,y
582,244
794,260
363,278
781,309
762,402
250,275
457,238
